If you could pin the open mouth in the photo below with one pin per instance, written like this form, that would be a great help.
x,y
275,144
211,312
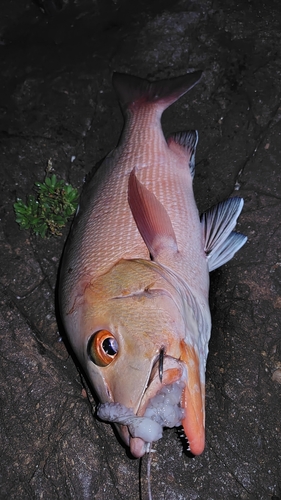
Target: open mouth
x,y
165,371
161,402
160,406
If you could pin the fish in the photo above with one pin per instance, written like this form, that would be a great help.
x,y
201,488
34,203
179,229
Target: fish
x,y
134,276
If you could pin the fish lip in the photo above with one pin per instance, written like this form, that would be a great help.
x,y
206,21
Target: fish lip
x,y
173,371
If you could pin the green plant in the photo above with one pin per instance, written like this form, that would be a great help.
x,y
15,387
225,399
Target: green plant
x,y
47,212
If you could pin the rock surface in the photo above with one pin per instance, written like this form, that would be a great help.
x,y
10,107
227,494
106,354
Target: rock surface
x,y
57,102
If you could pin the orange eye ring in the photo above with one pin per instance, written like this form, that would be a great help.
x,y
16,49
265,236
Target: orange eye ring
x,y
102,348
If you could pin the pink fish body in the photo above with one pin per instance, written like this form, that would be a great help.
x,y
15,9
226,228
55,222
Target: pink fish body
x,y
134,280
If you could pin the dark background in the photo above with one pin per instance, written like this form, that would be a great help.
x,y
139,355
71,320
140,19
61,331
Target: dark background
x,y
56,101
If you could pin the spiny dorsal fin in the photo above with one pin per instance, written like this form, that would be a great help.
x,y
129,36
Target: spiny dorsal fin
x,y
133,91
221,243
185,143
152,219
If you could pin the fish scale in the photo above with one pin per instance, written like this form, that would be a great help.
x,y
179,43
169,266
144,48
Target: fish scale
x,y
134,277
144,148
174,191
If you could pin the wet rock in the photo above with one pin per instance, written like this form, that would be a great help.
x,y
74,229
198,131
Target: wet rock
x,y
57,102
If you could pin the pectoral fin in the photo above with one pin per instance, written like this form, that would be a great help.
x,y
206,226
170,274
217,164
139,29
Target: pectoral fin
x,y
152,219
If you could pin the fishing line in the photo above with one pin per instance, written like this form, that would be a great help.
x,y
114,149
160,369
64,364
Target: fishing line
x,y
146,493
148,472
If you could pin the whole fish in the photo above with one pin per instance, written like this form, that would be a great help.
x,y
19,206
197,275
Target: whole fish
x,y
134,278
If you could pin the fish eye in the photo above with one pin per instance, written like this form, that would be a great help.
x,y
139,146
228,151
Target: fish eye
x,y
102,348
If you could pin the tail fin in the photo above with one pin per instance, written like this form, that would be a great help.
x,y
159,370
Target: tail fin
x,y
133,91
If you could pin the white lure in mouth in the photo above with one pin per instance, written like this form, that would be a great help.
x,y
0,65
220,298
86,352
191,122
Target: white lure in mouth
x,y
163,410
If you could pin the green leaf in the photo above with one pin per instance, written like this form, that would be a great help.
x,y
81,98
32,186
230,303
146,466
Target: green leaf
x,y
49,211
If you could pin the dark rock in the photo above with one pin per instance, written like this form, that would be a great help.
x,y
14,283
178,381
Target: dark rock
x,y
57,102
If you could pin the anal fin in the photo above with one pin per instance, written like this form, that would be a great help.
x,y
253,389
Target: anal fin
x,y
152,219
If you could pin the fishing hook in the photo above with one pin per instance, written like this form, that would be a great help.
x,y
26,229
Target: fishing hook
x,y
161,362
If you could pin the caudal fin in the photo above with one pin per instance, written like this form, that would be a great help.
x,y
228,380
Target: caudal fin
x,y
133,91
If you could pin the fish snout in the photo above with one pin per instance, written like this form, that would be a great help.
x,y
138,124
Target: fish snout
x,y
161,402
138,447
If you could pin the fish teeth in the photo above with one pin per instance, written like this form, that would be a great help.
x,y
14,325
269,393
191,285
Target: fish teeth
x,y
184,439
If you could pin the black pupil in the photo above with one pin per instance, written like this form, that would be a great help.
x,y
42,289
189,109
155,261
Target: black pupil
x,y
109,346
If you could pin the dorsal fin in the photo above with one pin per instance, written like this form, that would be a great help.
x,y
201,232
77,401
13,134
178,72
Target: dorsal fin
x,y
184,143
152,219
133,91
221,242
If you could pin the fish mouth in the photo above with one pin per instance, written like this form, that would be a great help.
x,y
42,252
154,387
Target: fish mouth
x,y
186,373
172,370
166,374
173,396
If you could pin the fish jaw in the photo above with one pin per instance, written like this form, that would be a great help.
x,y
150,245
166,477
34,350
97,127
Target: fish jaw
x,y
174,371
159,407
193,400
145,426
187,371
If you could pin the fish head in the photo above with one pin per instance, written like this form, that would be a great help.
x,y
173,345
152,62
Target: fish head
x,y
119,325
